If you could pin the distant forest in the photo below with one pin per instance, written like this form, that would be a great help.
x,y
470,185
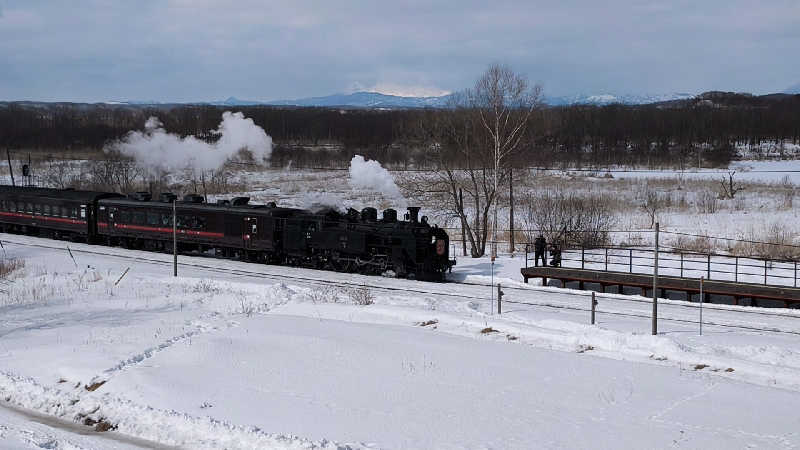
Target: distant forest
x,y
686,133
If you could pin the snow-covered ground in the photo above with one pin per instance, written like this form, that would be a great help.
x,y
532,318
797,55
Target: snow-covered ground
x,y
237,355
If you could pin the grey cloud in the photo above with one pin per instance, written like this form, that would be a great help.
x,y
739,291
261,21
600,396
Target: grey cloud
x,y
200,50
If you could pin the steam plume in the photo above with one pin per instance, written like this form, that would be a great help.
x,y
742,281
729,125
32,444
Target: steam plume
x,y
154,148
371,175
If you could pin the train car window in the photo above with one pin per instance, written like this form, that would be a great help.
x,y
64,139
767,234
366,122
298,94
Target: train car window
x,y
166,220
153,218
29,208
46,210
83,212
37,208
199,223
73,212
124,217
139,218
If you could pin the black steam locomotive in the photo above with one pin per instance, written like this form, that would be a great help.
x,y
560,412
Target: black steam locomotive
x,y
355,241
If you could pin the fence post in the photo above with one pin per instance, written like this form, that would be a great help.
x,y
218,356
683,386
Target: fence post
x,y
499,299
630,260
701,306
594,305
655,285
606,259
526,255
583,257
709,267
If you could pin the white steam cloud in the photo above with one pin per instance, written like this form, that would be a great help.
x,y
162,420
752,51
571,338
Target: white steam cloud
x,y
372,176
154,148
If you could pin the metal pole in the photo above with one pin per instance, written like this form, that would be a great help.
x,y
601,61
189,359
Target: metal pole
x,y
583,257
594,305
681,264
795,274
701,306
736,270
655,284
709,266
492,284
765,271
606,259
499,300
463,230
174,238
630,260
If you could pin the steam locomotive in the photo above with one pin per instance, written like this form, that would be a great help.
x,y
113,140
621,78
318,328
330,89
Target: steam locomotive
x,y
355,241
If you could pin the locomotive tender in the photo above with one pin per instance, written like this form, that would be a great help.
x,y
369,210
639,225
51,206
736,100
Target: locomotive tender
x,y
350,242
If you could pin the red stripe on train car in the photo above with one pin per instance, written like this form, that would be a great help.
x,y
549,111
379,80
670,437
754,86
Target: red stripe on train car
x,y
167,230
52,219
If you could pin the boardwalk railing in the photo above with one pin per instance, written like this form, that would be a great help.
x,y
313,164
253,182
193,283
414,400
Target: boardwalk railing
x,y
711,266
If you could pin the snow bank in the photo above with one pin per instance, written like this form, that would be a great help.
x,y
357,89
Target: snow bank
x,y
162,426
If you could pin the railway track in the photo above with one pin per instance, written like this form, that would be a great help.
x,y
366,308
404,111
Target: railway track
x,y
568,301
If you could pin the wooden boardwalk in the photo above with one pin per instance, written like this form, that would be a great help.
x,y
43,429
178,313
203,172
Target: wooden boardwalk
x,y
788,295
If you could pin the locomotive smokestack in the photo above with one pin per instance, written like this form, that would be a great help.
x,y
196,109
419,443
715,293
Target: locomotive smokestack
x,y
413,213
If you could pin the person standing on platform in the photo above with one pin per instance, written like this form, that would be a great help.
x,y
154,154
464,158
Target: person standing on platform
x,y
539,249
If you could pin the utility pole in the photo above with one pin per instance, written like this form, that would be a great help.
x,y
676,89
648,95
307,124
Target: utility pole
x,y
655,285
175,237
511,210
463,222
10,168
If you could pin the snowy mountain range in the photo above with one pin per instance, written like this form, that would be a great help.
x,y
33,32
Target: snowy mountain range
x,y
378,100
363,99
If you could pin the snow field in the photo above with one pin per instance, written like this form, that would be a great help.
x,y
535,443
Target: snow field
x,y
227,360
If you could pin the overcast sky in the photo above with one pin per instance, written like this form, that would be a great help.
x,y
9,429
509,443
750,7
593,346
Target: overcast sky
x,y
196,50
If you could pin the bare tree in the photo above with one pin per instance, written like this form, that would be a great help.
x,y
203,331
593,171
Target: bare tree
x,y
469,145
653,202
505,101
730,187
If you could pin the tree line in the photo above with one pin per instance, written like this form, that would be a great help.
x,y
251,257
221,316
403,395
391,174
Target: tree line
x,y
702,131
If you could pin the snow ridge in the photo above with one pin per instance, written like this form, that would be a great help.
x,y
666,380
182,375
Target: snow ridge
x,y
144,422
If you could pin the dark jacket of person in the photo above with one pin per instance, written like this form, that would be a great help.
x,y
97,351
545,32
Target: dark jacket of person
x,y
539,244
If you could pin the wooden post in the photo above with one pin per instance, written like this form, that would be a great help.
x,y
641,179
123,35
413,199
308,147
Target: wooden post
x,y
594,305
655,285
175,238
